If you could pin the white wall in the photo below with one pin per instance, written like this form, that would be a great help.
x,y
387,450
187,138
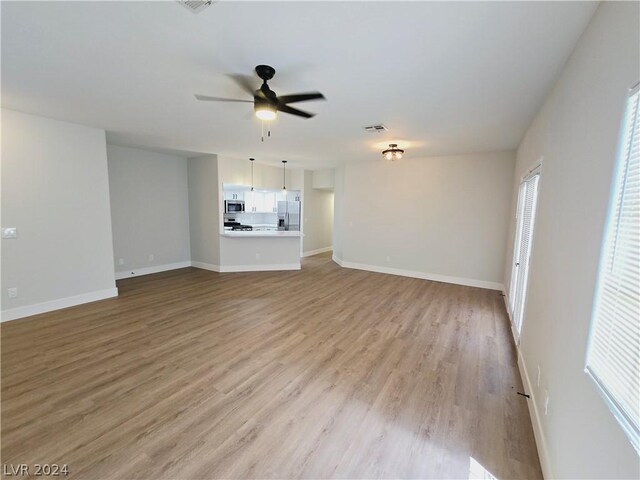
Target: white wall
x,y
323,179
317,212
577,131
444,218
238,172
149,210
55,190
204,211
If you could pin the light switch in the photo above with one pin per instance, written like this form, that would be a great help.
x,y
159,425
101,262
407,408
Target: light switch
x,y
9,232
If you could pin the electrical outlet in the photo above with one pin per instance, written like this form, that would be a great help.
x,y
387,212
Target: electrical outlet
x,y
121,261
12,292
546,402
151,257
539,375
388,258
257,256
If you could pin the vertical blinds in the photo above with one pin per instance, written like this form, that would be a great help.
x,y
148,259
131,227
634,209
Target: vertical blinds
x,y
613,359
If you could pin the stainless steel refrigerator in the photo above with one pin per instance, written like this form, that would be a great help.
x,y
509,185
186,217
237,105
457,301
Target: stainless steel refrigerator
x,y
289,216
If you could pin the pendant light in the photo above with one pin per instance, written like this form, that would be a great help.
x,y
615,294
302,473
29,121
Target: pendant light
x,y
393,152
284,177
252,160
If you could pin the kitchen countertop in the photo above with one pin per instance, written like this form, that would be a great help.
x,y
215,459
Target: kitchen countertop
x,y
249,233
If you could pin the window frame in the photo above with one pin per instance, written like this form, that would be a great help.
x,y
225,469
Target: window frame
x,y
631,430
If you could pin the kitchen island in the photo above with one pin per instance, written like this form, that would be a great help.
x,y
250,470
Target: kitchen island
x,y
248,251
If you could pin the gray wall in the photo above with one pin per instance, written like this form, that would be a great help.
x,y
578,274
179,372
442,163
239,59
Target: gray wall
x,y
339,206
55,190
440,216
149,208
204,210
317,215
577,131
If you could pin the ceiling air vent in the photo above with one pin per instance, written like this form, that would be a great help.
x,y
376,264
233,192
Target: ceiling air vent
x,y
195,6
375,128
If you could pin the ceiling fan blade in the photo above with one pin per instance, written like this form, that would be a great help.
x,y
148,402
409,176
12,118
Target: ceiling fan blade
x,y
206,98
294,111
301,97
245,82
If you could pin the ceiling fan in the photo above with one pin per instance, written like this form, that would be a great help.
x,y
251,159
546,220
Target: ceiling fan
x,y
266,103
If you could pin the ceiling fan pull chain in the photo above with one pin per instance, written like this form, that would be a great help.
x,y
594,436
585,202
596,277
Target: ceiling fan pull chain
x,y
262,134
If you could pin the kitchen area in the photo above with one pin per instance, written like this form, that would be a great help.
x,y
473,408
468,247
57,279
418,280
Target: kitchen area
x,y
249,211
256,216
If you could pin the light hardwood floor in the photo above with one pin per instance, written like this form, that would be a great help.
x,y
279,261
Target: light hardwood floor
x,y
324,372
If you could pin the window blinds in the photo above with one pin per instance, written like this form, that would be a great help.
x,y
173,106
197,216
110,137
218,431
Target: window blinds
x,y
528,194
613,358
524,252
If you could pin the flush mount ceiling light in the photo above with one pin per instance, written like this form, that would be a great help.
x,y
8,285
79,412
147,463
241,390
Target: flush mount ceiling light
x,y
393,153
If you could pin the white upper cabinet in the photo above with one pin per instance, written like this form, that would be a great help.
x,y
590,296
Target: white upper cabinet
x,y
261,202
233,195
293,195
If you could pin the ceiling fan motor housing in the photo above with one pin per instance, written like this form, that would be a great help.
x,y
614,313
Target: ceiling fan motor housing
x,y
265,72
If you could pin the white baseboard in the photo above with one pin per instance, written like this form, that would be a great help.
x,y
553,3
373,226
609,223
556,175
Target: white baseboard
x,y
259,268
28,310
507,307
206,266
317,251
137,272
534,413
246,268
469,282
337,260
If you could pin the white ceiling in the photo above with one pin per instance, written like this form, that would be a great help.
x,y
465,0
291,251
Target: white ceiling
x,y
446,78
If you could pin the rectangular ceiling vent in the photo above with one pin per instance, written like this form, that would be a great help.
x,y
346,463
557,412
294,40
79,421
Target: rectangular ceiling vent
x,y
375,128
195,6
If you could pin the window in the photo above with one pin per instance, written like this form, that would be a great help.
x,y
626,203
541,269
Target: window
x,y
613,357
525,217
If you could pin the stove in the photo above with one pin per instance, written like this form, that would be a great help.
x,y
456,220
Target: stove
x,y
237,226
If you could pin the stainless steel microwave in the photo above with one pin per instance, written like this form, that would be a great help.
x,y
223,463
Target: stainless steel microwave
x,y
233,206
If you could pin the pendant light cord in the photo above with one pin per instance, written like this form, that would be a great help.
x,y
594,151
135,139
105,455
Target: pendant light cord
x,y
252,160
284,174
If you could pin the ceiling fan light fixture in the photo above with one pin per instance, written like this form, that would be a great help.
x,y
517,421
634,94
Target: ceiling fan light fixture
x,y
393,153
266,112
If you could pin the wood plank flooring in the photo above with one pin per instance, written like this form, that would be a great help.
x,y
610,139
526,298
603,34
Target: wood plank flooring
x,y
319,373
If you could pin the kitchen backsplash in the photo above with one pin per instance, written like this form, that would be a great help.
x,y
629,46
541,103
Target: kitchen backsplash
x,y
248,218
